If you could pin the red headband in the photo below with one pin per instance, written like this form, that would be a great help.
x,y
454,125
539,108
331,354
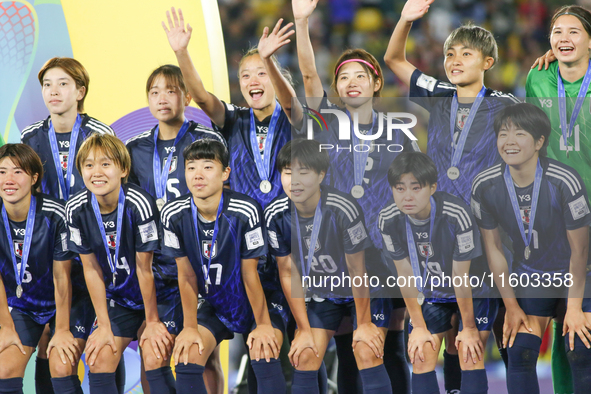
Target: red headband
x,y
360,61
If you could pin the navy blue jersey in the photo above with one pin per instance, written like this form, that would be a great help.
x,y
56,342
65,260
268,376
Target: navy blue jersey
x,y
49,243
455,237
562,205
480,150
240,236
141,150
375,178
37,137
139,234
244,177
342,231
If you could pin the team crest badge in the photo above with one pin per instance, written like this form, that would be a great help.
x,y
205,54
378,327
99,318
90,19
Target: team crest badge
x,y
172,164
462,117
112,240
307,242
525,214
425,249
18,249
64,160
207,249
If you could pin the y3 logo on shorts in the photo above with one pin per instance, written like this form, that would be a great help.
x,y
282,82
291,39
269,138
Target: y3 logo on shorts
x,y
81,329
277,306
482,320
169,324
378,316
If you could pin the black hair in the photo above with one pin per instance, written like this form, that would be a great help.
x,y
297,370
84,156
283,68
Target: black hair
x,y
416,163
26,158
307,152
207,149
528,117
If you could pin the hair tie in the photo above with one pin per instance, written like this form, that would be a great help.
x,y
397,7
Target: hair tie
x,y
583,21
357,60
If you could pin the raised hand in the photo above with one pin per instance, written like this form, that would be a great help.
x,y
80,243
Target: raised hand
x,y
415,9
302,9
270,43
178,36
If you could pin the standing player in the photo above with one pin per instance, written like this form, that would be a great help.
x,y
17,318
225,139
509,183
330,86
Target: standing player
x,y
432,235
163,146
33,258
330,224
553,245
216,237
570,40
113,227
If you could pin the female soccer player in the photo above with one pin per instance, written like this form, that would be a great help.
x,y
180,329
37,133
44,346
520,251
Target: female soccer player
x,y
113,226
361,171
217,236
549,245
35,277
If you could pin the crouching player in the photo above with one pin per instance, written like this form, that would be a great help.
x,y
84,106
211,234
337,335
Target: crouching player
x,y
33,258
113,226
217,236
513,195
432,235
334,223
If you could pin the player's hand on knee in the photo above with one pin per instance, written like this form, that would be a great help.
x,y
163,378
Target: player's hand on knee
x,y
472,346
576,323
270,43
263,338
9,337
417,340
514,318
544,60
159,338
415,9
178,36
303,340
66,346
101,337
182,345
369,334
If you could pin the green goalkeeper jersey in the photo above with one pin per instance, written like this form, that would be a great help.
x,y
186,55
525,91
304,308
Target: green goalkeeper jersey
x,y
542,90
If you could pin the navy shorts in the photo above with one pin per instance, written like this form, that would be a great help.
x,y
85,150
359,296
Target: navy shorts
x,y
170,309
278,309
207,318
328,316
438,315
28,330
125,322
545,307
82,317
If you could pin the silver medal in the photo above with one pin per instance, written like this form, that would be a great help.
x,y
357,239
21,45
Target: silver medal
x,y
19,291
453,173
265,186
421,298
160,203
527,252
357,191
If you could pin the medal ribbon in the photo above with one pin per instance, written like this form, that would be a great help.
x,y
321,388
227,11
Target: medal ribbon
x,y
567,130
515,203
263,164
313,238
412,248
458,149
65,183
20,276
99,219
214,236
161,176
360,158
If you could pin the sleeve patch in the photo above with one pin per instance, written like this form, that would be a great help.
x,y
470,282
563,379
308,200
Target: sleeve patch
x,y
148,232
171,240
475,208
465,242
388,242
357,233
273,239
426,82
254,239
579,208
75,236
64,238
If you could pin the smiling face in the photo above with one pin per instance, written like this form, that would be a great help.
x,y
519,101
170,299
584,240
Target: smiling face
x,y
60,93
15,184
205,177
354,85
569,40
101,175
465,66
167,103
517,146
412,198
255,84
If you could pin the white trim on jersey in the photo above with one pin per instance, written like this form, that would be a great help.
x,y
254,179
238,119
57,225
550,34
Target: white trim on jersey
x,y
137,137
566,176
141,202
173,208
445,85
245,208
75,203
99,126
346,206
463,217
52,206
491,173
274,208
497,93
218,137
387,213
30,128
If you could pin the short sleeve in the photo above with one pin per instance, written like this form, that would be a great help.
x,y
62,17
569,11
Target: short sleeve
x,y
394,246
231,117
279,243
146,220
423,87
482,209
133,178
172,241
575,200
467,243
355,236
61,251
254,233
77,234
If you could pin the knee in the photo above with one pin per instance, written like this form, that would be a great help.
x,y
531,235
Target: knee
x,y
60,370
365,356
580,357
524,352
308,361
106,362
151,362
